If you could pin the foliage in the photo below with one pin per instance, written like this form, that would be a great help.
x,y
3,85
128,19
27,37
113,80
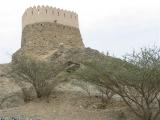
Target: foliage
x,y
89,73
136,79
41,74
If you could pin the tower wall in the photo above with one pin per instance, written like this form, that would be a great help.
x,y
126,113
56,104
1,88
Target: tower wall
x,y
50,36
47,28
49,14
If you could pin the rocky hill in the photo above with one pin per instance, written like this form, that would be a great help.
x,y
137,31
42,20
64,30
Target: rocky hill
x,y
67,101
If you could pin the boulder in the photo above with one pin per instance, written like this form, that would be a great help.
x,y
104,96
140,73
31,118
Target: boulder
x,y
11,94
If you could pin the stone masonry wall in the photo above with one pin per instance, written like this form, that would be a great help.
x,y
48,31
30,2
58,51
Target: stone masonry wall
x,y
47,35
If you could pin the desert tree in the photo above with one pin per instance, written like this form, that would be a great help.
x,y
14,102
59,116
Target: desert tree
x,y
87,74
136,79
41,74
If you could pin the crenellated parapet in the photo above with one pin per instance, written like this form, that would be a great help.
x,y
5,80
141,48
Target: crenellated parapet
x,y
49,14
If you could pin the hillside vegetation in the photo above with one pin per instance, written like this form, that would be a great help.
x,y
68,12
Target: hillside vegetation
x,y
101,82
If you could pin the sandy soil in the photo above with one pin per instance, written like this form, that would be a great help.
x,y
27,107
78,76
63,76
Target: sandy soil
x,y
65,106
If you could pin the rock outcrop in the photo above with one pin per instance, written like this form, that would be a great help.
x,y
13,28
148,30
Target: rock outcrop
x,y
11,94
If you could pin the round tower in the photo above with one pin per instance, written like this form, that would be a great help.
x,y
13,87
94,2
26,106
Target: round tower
x,y
45,27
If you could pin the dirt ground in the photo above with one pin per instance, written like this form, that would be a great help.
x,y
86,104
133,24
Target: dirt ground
x,y
66,106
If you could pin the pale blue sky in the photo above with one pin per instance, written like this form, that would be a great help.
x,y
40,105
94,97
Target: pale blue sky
x,y
117,26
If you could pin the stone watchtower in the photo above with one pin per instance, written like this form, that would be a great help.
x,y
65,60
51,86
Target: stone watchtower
x,y
46,28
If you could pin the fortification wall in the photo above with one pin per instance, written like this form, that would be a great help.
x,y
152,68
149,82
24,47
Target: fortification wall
x,y
47,35
49,14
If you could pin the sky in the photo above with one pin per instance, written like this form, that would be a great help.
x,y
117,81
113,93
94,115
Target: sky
x,y
114,26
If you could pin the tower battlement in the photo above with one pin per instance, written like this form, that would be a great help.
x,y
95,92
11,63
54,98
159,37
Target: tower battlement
x,y
41,14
